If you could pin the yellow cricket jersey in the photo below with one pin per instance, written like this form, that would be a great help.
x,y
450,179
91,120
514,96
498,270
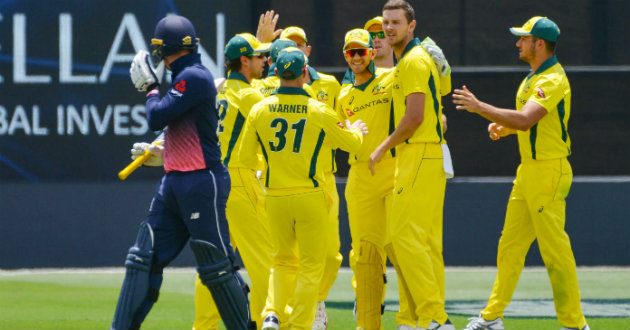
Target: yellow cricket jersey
x,y
268,85
372,103
325,88
416,73
235,101
549,88
291,128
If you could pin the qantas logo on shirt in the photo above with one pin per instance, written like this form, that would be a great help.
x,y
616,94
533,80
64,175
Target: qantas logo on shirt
x,y
540,92
369,104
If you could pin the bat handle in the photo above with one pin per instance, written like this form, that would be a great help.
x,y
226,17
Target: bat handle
x,y
134,165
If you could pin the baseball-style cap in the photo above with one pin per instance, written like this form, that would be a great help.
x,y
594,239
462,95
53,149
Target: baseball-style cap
x,y
277,46
540,27
291,63
293,31
376,20
358,36
245,44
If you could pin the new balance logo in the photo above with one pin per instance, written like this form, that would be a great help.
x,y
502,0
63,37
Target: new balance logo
x,y
194,216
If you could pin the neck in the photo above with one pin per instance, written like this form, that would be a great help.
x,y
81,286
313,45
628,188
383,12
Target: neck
x,y
400,47
539,60
385,61
247,75
292,83
362,78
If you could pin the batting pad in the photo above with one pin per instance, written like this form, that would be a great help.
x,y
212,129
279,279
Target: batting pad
x,y
217,273
370,286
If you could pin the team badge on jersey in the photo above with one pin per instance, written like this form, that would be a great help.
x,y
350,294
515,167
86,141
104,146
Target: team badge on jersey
x,y
181,86
378,89
322,96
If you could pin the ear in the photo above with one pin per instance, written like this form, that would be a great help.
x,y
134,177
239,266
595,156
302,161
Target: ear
x,y
412,26
275,70
244,61
269,60
372,54
308,51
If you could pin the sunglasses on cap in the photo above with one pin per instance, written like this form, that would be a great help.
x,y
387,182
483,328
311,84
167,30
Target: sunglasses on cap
x,y
380,34
351,52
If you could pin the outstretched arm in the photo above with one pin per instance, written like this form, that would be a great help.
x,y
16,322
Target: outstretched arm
x,y
522,120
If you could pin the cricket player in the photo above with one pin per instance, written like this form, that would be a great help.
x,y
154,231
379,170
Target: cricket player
x,y
367,97
190,200
417,206
536,207
324,88
290,127
245,206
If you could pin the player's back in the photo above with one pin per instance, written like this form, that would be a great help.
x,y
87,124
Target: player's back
x,y
291,128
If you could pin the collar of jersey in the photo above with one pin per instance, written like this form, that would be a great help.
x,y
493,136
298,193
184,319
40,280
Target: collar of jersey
x,y
183,62
291,91
313,73
546,65
348,77
413,43
237,76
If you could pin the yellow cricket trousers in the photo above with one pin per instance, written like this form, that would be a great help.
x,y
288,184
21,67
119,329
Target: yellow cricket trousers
x,y
416,227
298,230
333,257
250,235
536,210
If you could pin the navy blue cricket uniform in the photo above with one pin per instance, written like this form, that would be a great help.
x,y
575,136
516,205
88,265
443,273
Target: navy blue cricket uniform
x,y
190,200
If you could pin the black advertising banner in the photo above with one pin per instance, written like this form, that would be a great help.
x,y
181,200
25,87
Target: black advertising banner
x,y
68,109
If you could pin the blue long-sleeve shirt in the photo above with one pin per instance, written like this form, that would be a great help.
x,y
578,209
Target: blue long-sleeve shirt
x,y
189,111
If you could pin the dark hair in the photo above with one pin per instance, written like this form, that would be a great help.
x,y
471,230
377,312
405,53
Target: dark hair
x,y
234,65
410,14
549,45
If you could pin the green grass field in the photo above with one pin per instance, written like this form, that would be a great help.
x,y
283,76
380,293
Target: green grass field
x,y
86,299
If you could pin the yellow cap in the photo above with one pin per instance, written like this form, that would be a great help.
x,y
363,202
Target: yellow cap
x,y
376,20
293,31
358,36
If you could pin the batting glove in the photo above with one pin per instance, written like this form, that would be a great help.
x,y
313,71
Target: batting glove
x,y
156,151
437,55
143,75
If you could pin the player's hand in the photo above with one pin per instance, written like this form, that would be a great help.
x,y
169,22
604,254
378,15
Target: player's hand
x,y
437,55
143,75
357,124
497,131
465,100
218,83
375,157
266,31
156,151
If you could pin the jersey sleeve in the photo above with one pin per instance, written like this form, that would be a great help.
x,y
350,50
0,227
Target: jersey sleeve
x,y
547,93
249,97
248,152
186,92
414,76
349,140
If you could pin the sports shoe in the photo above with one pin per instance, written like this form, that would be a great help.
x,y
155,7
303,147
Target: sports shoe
x,y
354,310
446,326
479,323
321,318
271,322
586,327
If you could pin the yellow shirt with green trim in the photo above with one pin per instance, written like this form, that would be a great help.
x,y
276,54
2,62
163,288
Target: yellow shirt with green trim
x,y
235,100
325,88
416,73
291,127
372,103
549,88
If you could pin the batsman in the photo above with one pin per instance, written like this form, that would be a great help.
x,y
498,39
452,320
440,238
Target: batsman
x,y
190,200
